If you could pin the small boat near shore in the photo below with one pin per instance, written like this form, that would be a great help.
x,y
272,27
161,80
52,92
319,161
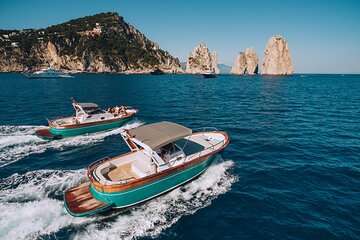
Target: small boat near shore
x,y
163,156
157,71
209,73
88,118
48,73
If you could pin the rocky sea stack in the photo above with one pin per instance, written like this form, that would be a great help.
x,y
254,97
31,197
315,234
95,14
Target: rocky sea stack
x,y
277,60
99,43
201,59
246,63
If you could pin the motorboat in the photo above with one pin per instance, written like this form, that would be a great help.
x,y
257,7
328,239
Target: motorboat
x,y
88,118
48,73
162,156
209,73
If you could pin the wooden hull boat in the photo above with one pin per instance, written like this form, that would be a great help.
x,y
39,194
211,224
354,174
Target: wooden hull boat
x,y
78,129
160,160
89,118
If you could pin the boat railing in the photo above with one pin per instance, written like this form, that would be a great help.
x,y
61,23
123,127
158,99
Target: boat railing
x,y
212,147
55,118
199,130
100,160
206,129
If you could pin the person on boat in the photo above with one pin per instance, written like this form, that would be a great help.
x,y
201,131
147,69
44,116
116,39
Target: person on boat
x,y
116,110
112,110
123,110
162,152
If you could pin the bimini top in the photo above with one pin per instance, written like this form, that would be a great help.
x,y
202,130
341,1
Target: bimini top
x,y
88,105
159,134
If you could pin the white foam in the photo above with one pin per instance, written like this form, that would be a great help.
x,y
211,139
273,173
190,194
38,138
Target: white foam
x,y
37,185
151,218
28,220
27,211
17,142
15,135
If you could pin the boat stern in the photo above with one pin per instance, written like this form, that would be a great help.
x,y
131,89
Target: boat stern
x,y
79,202
46,134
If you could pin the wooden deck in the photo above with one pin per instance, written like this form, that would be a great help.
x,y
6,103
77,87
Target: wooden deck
x,y
81,202
46,134
122,172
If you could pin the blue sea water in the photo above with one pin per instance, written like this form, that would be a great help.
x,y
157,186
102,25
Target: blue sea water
x,y
291,171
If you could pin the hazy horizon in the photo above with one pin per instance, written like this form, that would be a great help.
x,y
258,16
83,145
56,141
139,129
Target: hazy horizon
x,y
323,36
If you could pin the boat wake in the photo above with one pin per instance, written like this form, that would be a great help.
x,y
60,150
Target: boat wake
x,y
151,218
17,142
31,203
31,206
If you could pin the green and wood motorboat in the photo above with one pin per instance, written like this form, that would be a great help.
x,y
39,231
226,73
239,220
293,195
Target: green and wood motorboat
x,y
87,119
163,156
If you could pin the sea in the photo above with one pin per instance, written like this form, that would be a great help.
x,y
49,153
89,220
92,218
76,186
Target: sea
x,y
291,170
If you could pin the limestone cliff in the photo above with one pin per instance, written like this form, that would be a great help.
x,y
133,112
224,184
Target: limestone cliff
x,y
246,63
239,66
277,60
214,62
201,59
99,43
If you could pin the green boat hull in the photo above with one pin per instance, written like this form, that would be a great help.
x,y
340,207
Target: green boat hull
x,y
142,193
69,132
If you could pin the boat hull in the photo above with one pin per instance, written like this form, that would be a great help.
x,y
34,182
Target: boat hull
x,y
46,134
74,131
48,77
209,75
152,189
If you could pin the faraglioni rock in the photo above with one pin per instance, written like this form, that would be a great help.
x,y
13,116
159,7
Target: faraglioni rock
x,y
277,60
99,43
246,63
214,62
201,59
239,66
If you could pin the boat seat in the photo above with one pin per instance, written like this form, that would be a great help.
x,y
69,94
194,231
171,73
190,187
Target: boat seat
x,y
102,170
142,167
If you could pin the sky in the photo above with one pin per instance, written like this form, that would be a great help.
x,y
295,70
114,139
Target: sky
x,y
324,35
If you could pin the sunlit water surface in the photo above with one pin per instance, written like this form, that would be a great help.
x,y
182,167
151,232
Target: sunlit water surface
x,y
291,171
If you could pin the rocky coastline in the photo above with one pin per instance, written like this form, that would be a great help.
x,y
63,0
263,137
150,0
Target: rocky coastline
x,y
105,43
102,43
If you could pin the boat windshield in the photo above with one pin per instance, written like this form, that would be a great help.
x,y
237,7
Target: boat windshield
x,y
168,149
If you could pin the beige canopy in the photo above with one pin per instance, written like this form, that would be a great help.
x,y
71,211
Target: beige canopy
x,y
159,134
88,105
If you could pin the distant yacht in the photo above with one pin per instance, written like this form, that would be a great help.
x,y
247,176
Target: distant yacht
x,y
48,73
209,73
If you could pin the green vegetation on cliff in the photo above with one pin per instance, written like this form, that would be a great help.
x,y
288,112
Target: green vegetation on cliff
x,y
103,39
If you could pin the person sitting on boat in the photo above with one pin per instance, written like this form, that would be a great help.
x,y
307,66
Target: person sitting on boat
x,y
109,110
116,110
123,110
113,110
